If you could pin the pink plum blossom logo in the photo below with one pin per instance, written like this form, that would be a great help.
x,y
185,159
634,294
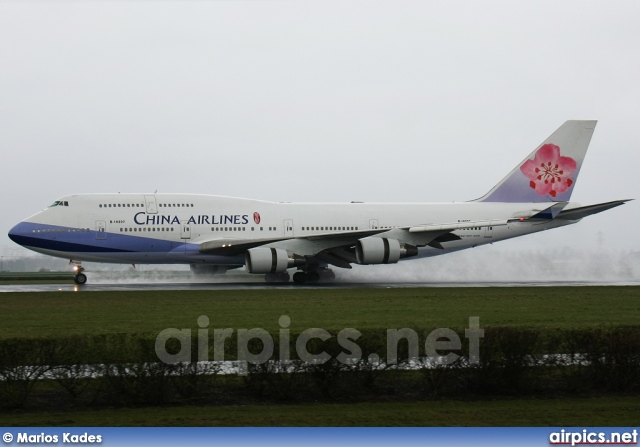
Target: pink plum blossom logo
x,y
256,218
549,171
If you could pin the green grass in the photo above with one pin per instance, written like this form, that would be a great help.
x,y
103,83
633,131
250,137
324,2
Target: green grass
x,y
596,411
36,278
55,314
50,314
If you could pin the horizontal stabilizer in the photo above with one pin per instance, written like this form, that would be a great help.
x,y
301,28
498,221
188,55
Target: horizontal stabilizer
x,y
584,211
551,212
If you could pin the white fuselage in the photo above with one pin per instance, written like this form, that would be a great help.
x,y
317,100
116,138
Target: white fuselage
x,y
169,228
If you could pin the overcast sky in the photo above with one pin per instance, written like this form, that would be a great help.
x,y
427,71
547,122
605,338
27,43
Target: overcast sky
x,y
394,101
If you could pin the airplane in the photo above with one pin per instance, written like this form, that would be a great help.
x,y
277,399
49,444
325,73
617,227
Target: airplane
x,y
214,233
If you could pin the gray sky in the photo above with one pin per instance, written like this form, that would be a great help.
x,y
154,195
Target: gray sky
x,y
316,101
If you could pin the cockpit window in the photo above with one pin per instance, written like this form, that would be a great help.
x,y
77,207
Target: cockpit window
x,y
59,203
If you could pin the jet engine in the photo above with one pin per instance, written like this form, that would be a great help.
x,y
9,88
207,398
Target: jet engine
x,y
271,260
381,250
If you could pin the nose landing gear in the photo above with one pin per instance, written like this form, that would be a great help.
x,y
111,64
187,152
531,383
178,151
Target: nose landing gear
x,y
79,277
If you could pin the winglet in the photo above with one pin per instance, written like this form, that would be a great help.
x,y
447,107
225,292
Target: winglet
x,y
550,172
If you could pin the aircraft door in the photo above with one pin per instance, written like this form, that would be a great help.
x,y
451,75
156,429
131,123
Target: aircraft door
x,y
373,224
488,231
101,229
288,228
150,202
185,232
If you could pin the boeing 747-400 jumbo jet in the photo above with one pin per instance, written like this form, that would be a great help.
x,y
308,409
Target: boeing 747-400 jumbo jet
x,y
214,234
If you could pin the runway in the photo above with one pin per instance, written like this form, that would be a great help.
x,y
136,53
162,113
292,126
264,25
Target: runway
x,y
254,285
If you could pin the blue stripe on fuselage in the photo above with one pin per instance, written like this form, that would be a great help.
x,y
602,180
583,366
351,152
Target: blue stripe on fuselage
x,y
64,239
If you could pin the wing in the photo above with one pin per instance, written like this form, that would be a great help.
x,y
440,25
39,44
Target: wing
x,y
236,246
339,248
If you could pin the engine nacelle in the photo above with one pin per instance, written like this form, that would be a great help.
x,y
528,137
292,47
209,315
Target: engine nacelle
x,y
271,260
381,250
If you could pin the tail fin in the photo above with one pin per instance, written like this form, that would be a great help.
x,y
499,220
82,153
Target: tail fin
x,y
550,172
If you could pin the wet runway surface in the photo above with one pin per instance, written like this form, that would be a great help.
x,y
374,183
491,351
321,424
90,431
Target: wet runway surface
x,y
254,285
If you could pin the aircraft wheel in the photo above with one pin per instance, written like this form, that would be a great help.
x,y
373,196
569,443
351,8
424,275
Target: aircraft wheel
x,y
300,277
80,279
313,276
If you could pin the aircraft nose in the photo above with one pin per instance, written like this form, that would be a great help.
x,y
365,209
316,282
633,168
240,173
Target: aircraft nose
x,y
18,233
13,233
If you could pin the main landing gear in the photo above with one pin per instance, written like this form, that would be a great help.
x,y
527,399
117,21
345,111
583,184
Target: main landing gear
x,y
314,276
302,277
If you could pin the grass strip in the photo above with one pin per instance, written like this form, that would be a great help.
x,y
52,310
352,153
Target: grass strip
x,y
592,411
52,314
